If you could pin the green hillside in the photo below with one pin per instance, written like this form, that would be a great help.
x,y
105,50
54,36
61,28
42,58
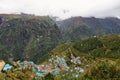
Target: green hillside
x,y
102,46
27,37
98,58
102,54
76,28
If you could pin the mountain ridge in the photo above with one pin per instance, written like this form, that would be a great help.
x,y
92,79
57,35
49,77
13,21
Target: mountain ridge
x,y
28,37
76,28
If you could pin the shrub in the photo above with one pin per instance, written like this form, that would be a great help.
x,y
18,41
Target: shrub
x,y
103,71
87,45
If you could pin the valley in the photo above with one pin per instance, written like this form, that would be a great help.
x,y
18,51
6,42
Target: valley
x,y
39,48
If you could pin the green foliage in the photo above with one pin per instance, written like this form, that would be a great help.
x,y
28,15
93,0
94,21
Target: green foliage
x,y
103,71
100,47
88,45
15,75
49,76
113,43
100,52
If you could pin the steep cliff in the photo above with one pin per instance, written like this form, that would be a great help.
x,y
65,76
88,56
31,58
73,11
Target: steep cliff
x,y
27,37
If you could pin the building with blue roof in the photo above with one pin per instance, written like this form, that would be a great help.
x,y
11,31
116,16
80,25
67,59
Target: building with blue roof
x,y
7,67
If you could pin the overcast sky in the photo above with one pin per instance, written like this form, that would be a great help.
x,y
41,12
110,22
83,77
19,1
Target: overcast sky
x,y
63,8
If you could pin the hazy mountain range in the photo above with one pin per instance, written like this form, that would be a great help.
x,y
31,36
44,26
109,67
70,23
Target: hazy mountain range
x,y
76,28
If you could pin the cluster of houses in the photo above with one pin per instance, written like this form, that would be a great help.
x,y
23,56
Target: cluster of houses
x,y
53,66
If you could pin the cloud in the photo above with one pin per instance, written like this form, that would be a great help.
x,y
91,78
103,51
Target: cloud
x,y
97,8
